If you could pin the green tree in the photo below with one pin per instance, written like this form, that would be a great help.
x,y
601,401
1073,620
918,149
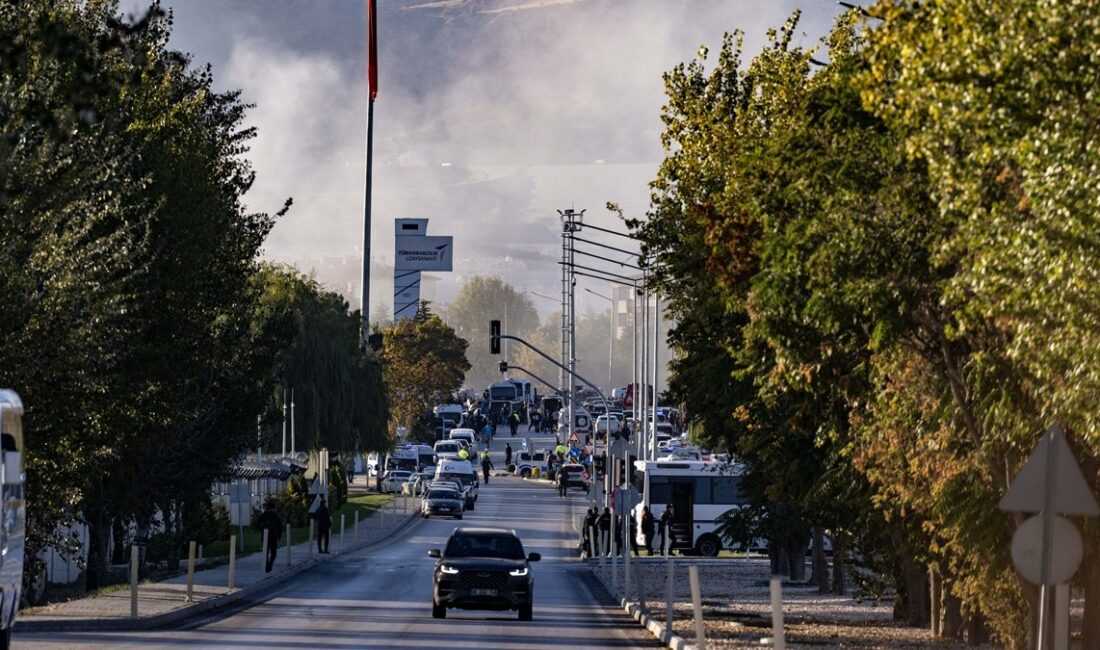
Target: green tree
x,y
424,364
482,299
339,396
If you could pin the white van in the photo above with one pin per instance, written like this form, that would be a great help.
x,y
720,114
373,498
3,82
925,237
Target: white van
x,y
461,471
468,436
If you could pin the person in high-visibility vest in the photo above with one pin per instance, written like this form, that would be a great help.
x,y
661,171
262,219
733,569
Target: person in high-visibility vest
x,y
486,465
463,454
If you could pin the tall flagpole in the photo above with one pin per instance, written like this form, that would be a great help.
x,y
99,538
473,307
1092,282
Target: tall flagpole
x,y
372,82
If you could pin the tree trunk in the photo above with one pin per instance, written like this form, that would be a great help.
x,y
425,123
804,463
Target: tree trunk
x,y
118,548
935,580
98,530
1090,577
952,627
819,567
917,591
784,562
977,632
840,585
796,552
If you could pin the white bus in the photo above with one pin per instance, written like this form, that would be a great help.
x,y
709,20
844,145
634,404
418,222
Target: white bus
x,y
700,493
12,511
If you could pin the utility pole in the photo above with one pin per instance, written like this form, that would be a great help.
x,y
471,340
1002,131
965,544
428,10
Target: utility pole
x,y
284,420
372,92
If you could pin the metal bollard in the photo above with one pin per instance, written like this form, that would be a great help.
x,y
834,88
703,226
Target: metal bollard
x,y
341,532
263,554
311,522
232,561
697,609
201,548
778,640
288,545
355,529
626,562
133,580
670,585
1061,617
190,570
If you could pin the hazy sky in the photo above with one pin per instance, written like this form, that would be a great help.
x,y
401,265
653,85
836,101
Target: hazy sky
x,y
491,116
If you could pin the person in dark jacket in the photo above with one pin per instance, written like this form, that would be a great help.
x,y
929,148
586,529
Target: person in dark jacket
x,y
648,528
604,524
667,519
507,454
324,526
486,465
590,519
563,482
270,522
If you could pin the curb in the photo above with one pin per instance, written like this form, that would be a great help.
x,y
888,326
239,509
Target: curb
x,y
141,623
644,618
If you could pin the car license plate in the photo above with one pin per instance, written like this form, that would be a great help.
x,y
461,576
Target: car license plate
x,y
483,592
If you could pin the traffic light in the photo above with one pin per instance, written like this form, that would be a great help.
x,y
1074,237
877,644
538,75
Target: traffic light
x,y
494,337
503,366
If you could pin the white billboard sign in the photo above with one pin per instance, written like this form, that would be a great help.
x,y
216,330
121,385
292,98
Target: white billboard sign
x,y
424,253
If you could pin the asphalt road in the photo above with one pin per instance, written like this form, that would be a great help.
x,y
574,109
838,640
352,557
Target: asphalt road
x,y
381,597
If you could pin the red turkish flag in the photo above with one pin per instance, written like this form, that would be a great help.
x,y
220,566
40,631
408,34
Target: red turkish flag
x,y
372,45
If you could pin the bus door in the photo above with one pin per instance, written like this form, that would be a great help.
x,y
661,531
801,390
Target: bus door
x,y
683,500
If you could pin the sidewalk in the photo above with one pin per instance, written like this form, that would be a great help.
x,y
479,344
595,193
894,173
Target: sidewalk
x,y
165,602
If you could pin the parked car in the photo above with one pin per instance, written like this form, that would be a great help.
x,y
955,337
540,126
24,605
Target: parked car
x,y
442,501
483,568
395,479
418,484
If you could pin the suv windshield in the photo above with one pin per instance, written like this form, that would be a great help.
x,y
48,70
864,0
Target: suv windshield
x,y
443,494
490,545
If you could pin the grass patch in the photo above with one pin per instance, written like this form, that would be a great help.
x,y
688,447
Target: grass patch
x,y
365,504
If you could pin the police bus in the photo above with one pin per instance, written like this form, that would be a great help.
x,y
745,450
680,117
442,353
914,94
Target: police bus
x,y
699,491
12,511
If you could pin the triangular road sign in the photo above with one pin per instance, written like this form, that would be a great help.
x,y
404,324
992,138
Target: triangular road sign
x,y
1028,492
315,487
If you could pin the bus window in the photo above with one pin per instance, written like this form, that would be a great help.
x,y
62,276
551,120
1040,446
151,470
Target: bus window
x,y
660,490
702,489
727,490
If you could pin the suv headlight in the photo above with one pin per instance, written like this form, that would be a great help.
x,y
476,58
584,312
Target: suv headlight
x,y
518,572
446,569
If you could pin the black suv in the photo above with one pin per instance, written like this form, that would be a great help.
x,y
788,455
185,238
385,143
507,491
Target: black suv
x,y
483,568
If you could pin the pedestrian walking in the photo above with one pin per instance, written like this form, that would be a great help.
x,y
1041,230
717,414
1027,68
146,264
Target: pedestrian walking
x,y
563,482
270,522
648,529
324,526
507,454
513,423
535,420
604,524
590,519
486,465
